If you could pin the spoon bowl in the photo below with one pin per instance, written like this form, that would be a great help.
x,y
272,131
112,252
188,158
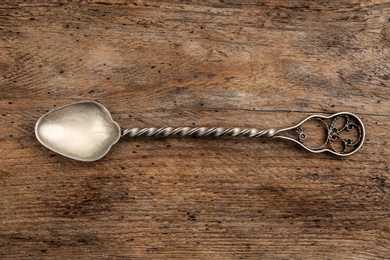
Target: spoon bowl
x,y
84,131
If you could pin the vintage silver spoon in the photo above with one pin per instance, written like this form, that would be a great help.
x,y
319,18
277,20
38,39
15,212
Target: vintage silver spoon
x,y
85,131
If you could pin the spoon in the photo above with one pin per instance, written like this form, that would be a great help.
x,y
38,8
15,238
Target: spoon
x,y
85,131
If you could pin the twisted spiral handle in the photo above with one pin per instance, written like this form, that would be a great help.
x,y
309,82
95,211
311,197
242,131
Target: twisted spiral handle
x,y
198,131
336,138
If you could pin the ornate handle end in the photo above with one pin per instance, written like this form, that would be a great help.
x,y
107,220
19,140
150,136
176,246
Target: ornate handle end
x,y
342,133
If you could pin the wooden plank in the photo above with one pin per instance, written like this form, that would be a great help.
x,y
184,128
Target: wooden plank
x,y
198,63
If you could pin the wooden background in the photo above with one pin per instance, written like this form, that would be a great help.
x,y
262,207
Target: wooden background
x,y
197,63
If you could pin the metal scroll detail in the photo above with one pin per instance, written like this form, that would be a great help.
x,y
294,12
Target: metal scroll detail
x,y
343,132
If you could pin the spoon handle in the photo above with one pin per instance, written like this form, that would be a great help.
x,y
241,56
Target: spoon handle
x,y
344,133
198,131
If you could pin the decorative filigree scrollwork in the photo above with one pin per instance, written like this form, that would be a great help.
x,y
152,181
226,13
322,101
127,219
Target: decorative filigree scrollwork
x,y
344,134
335,134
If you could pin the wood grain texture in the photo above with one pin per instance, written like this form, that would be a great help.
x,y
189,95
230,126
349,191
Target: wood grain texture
x,y
197,63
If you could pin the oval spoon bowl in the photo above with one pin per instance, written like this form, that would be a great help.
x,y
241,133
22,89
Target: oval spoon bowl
x,y
83,131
